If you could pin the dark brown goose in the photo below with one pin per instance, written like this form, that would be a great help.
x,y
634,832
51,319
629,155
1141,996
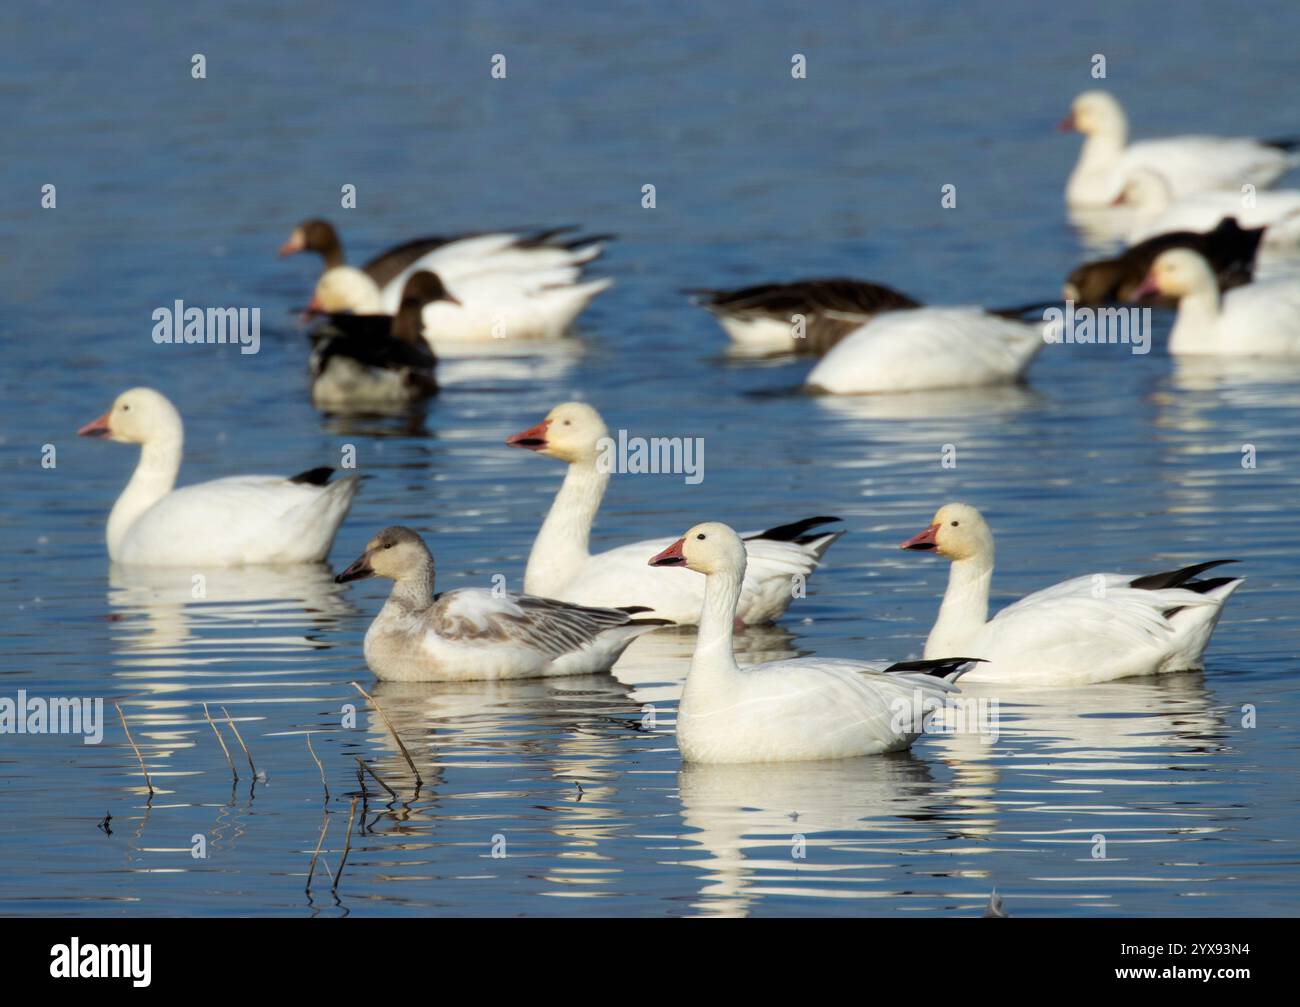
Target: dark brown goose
x,y
762,317
377,361
1229,249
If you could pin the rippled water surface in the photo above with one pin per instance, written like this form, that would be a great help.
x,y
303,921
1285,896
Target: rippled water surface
x,y
172,188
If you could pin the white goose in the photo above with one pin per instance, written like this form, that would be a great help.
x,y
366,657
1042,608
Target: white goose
x,y
1258,319
484,306
786,711
1190,163
1151,196
1094,628
921,349
225,522
560,565
476,633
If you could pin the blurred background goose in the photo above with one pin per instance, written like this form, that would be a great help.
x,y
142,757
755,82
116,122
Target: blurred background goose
x,y
1189,163
1149,193
786,711
762,318
560,564
919,349
1257,319
1229,249
478,633
1094,628
224,522
360,361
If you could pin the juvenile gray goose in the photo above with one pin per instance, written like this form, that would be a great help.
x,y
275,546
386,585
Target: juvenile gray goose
x,y
477,633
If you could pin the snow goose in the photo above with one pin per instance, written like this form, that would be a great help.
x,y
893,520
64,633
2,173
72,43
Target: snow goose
x,y
1094,628
920,349
479,633
482,307
1151,196
786,711
452,255
1229,249
225,522
361,361
1190,163
560,565
762,318
1260,319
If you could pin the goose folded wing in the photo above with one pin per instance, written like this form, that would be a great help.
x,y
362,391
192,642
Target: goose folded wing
x,y
550,627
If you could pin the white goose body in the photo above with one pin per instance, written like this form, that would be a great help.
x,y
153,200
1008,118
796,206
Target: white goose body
x,y
1160,212
560,565
474,634
1095,628
225,522
1260,319
1190,163
486,307
784,711
921,349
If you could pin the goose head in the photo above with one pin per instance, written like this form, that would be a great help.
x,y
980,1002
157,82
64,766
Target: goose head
x,y
138,416
395,553
344,289
1177,273
314,235
707,548
423,287
572,432
1096,113
957,532
1146,190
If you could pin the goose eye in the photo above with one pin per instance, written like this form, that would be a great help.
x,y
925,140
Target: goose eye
x,y
955,523
568,423
700,536
126,408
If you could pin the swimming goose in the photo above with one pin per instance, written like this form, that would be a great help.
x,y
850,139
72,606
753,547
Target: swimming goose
x,y
762,318
377,360
452,255
918,349
786,711
1190,163
224,522
1229,249
1259,319
482,307
1151,195
560,565
478,633
1094,628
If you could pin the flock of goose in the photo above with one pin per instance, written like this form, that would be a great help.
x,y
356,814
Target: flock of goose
x,y
1199,229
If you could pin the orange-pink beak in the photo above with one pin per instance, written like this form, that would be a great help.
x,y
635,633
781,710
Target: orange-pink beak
x,y
927,541
1147,288
96,428
294,244
532,439
672,556
1066,125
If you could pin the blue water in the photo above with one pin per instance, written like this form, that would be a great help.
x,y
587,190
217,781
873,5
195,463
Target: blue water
x,y
170,187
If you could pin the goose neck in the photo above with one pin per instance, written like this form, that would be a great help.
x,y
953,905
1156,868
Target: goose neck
x,y
562,543
154,477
